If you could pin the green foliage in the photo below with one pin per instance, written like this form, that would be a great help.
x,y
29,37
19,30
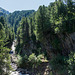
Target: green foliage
x,y
59,64
32,61
57,30
62,64
39,57
23,31
32,58
46,24
21,61
23,36
3,11
42,22
71,63
15,17
35,60
4,51
56,43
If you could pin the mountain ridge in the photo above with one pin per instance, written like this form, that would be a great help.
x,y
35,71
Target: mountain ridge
x,y
16,16
4,11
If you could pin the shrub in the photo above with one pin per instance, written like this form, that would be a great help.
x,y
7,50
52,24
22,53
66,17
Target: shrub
x,y
39,57
59,64
19,60
71,63
29,62
32,58
23,62
35,61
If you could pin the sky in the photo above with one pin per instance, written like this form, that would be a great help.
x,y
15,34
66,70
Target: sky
x,y
14,5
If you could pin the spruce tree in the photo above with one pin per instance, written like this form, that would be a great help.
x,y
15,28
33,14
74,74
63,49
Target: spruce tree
x,y
4,51
42,22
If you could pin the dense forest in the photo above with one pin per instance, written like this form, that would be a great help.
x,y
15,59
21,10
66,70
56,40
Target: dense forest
x,y
44,37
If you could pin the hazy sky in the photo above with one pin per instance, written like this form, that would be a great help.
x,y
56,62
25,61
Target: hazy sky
x,y
12,5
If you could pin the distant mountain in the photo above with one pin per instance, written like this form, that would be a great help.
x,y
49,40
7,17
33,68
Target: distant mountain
x,y
14,18
3,11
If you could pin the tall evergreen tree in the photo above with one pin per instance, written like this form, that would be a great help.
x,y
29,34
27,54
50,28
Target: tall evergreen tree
x,y
4,51
42,22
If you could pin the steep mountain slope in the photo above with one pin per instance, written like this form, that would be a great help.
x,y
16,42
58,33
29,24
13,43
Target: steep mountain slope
x,y
15,17
3,11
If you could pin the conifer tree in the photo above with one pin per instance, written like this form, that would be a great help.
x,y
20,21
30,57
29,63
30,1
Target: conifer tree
x,y
42,22
4,51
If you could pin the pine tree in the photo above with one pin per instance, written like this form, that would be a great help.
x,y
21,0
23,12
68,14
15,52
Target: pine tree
x,y
27,31
4,51
42,22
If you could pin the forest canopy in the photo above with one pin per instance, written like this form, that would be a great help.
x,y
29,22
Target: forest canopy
x,y
47,34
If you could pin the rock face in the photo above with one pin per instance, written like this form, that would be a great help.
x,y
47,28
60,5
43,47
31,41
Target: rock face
x,y
68,43
73,40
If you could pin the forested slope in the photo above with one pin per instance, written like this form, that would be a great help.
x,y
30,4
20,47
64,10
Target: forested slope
x,y
14,18
44,36
51,31
5,43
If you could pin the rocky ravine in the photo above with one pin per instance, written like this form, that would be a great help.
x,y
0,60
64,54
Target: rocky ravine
x,y
16,70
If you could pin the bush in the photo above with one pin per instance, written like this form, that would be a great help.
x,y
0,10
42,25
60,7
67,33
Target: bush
x,y
32,58
29,62
71,63
59,64
39,57
23,62
35,61
19,60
